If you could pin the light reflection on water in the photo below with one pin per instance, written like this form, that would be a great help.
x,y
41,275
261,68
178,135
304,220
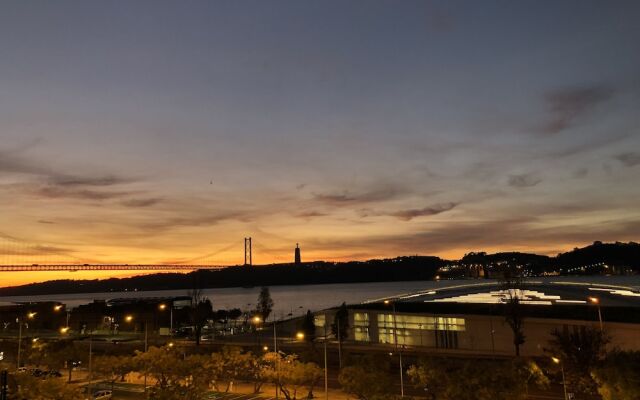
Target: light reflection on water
x,y
298,299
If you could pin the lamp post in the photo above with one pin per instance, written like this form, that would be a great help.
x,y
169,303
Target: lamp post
x,y
326,371
275,350
129,319
20,322
90,362
395,340
564,383
596,301
163,307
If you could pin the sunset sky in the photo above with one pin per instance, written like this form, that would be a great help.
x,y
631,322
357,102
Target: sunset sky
x,y
165,131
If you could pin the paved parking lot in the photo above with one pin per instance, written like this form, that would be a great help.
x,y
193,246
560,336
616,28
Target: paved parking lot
x,y
236,396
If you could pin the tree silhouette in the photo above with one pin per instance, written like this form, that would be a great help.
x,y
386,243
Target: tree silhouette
x,y
265,303
309,327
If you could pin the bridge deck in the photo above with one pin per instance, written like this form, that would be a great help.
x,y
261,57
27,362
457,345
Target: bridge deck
x,y
107,267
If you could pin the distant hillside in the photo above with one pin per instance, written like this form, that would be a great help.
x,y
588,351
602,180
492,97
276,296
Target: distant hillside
x,y
387,270
597,258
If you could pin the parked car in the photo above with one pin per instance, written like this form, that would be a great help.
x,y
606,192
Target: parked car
x,y
102,395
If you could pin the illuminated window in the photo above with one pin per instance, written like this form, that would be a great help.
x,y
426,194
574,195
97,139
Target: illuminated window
x,y
361,327
416,322
412,330
320,320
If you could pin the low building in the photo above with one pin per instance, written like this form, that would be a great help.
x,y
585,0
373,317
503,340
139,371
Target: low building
x,y
471,318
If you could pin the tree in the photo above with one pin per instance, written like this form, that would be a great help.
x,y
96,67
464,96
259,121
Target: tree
x,y
483,379
25,386
199,312
580,351
367,379
340,326
229,366
618,376
55,355
173,373
265,303
309,327
514,312
112,368
514,317
290,374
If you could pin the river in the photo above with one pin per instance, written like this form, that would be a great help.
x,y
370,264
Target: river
x,y
297,300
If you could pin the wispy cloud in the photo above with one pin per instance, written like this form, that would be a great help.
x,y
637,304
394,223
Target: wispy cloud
x,y
141,203
523,180
629,159
567,105
408,215
311,214
376,194
54,192
108,180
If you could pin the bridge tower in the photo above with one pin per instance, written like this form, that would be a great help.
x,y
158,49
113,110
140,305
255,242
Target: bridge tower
x,y
297,258
247,252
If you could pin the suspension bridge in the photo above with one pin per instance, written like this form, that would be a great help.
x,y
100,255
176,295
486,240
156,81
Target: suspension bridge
x,y
21,256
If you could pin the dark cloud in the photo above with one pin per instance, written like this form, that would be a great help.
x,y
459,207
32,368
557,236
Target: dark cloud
x,y
34,250
206,219
141,202
109,180
13,162
629,159
569,104
523,180
408,215
378,194
311,214
509,234
54,192
588,145
580,173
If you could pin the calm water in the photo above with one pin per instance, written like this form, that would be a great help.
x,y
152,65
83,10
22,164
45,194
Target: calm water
x,y
298,299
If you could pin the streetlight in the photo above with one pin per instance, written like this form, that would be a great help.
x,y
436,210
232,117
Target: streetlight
x,y
129,318
300,335
57,307
64,330
163,307
326,371
596,301
564,383
395,339
20,322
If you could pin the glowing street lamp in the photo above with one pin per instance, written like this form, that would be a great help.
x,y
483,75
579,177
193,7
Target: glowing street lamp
x,y
128,318
564,383
20,322
163,307
57,307
300,335
395,340
596,301
64,330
